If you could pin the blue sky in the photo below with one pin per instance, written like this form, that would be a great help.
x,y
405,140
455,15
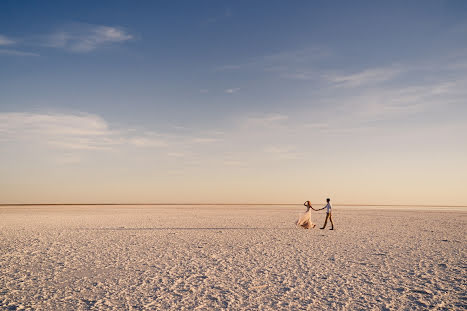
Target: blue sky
x,y
236,101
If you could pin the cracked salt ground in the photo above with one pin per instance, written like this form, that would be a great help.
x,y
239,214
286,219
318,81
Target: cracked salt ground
x,y
236,258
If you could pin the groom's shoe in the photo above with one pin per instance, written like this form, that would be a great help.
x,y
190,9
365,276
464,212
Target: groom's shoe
x,y
322,228
331,229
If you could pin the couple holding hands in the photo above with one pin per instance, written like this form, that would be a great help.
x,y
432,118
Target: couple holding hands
x,y
305,220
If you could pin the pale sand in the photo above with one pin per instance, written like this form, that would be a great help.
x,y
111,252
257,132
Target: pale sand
x,y
230,257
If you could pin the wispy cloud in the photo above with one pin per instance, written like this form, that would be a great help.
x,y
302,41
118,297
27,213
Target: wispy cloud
x,y
352,112
287,63
75,37
82,38
231,91
4,40
60,130
87,132
368,76
72,132
266,120
17,52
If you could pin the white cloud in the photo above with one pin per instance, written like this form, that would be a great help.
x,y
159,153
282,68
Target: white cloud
x,y
368,76
4,40
352,112
71,132
75,37
412,99
60,130
52,124
81,38
87,132
231,91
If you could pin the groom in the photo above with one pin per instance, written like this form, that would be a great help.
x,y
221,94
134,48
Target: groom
x,y
328,208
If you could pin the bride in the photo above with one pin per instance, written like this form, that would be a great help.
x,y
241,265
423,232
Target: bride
x,y
305,220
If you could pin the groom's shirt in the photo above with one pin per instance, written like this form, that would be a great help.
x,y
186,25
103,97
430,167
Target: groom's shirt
x,y
328,208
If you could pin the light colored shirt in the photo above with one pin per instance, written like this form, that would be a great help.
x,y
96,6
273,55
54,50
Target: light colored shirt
x,y
328,208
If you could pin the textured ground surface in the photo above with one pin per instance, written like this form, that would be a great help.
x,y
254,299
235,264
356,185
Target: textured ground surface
x,y
233,258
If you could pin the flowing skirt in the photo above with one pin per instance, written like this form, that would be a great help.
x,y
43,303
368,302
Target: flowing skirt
x,y
305,220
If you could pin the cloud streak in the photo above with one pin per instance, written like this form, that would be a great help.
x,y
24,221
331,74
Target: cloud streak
x,y
287,64
77,132
17,52
75,38
231,91
88,132
368,76
4,40
82,38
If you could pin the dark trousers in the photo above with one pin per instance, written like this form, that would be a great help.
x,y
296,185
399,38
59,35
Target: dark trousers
x,y
328,215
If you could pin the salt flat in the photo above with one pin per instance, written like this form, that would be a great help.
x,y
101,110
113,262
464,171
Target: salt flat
x,y
230,257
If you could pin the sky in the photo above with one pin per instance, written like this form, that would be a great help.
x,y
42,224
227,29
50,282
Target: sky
x,y
364,102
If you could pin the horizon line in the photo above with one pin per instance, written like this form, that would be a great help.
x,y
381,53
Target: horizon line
x,y
221,204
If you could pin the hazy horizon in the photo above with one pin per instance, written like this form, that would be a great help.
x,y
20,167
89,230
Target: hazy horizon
x,y
178,204
232,102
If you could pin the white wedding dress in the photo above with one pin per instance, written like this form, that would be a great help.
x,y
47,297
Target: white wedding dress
x,y
305,220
